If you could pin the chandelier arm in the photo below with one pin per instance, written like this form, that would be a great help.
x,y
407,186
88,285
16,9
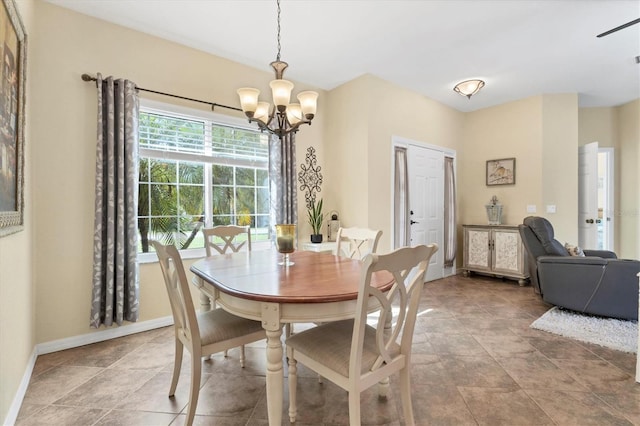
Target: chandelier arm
x,y
270,120
280,132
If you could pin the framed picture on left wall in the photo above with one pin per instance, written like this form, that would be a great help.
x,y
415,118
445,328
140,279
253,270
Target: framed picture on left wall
x,y
13,50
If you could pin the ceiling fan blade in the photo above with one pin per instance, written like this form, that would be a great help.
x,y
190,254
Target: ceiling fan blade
x,y
613,30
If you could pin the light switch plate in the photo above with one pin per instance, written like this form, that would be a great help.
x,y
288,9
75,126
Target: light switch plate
x,y
531,208
551,208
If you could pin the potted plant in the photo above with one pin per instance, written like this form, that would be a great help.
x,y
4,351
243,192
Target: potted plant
x,y
315,220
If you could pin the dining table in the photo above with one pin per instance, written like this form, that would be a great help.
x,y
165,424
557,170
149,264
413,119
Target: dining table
x,y
316,288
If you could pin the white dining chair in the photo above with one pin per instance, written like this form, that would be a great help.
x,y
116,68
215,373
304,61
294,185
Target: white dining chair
x,y
356,243
223,238
202,333
355,355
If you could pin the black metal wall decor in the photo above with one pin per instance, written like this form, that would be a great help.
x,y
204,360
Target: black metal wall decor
x,y
310,177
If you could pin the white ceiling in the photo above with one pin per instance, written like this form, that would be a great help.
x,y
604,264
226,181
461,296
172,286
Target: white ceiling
x,y
520,48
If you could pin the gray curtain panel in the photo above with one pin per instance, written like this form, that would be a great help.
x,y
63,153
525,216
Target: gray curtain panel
x,y
450,243
402,228
282,180
115,295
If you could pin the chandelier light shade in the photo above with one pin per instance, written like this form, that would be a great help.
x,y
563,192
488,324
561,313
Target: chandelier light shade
x,y
469,87
284,117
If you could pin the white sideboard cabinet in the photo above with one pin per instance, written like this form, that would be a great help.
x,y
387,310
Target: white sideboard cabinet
x,y
494,250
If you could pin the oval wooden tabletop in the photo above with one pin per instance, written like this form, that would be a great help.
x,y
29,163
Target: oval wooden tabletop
x,y
315,277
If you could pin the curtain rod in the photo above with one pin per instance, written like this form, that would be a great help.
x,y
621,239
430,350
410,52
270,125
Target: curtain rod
x,y
87,77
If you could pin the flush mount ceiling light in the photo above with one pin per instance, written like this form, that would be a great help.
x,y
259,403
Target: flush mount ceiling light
x,y
469,87
285,117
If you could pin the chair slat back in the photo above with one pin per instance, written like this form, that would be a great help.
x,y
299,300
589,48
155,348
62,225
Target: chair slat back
x,y
356,243
175,278
408,266
230,236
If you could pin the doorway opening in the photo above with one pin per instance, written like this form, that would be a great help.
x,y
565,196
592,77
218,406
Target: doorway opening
x,y
605,199
596,219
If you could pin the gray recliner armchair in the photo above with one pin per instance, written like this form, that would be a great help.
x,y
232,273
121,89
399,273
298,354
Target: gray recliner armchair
x,y
598,283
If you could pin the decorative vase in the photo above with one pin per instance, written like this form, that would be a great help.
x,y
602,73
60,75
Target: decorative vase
x,y
286,242
494,211
316,238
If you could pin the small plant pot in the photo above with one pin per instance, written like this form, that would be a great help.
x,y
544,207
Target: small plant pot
x,y
316,238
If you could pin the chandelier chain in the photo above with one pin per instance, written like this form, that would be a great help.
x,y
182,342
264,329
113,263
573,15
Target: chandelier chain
x,y
278,3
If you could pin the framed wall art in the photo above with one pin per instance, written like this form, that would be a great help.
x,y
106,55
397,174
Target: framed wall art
x,y
501,172
12,114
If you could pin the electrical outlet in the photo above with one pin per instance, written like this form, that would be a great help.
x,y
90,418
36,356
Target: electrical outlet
x,y
551,208
531,208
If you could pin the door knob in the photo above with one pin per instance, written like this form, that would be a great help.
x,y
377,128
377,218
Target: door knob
x,y
589,220
412,222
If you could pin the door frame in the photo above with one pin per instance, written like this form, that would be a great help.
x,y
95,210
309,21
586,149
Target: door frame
x,y
399,141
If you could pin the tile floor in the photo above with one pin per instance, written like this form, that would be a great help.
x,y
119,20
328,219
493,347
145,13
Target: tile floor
x,y
475,362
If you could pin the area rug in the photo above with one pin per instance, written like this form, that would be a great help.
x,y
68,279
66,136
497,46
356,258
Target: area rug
x,y
612,333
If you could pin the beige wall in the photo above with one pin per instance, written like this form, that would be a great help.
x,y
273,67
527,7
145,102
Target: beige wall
x,y
629,215
17,288
363,116
559,165
399,112
346,142
504,131
541,132
598,125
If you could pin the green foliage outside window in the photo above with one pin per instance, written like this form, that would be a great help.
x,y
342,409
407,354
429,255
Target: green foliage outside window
x,y
172,191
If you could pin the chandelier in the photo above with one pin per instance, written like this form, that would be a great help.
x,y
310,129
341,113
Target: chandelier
x,y
285,117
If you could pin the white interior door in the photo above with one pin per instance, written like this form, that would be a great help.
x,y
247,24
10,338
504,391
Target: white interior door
x,y
588,196
426,202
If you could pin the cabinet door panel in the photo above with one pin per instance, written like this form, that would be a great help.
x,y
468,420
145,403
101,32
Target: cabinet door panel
x,y
477,249
507,251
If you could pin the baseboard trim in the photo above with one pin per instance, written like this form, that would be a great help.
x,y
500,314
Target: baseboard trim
x,y
14,409
102,335
74,342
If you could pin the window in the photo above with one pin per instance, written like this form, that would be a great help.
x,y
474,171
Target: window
x,y
199,169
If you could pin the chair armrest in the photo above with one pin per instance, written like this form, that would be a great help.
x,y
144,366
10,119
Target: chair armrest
x,y
571,260
605,254
628,267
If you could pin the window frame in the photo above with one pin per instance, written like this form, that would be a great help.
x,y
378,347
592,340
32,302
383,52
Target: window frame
x,y
178,111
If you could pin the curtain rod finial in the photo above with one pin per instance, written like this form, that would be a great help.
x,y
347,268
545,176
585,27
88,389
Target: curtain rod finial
x,y
87,77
